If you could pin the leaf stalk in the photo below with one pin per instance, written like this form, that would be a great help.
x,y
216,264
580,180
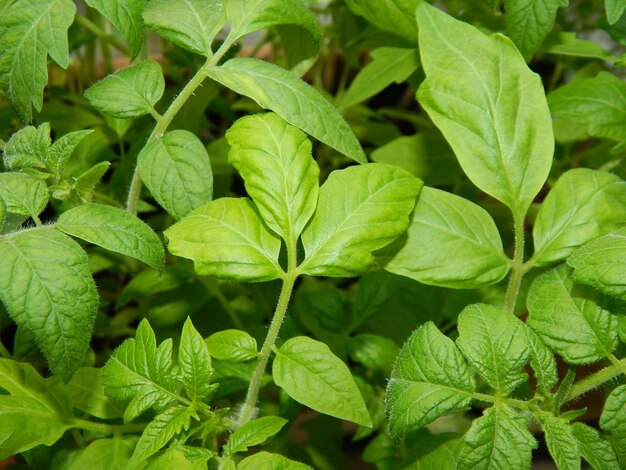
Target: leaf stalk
x,y
595,380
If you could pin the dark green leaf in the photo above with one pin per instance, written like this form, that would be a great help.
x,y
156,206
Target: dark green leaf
x,y
253,433
125,15
376,353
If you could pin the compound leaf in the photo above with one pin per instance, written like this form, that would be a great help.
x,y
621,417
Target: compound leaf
x,y
253,433
49,291
562,444
396,16
195,363
125,15
595,450
23,193
232,345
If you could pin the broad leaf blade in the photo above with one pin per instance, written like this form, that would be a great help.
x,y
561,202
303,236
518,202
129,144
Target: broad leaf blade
x,y
268,461
292,99
125,15
613,416
177,171
106,454
30,30
86,392
582,205
490,107
396,16
227,239
49,291
114,229
253,433
232,345
23,193
542,361
430,378
595,450
451,242
279,172
312,375
562,444
360,209
62,149
614,10
195,363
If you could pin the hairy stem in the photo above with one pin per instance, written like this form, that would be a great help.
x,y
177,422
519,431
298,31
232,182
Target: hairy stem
x,y
108,428
597,379
518,269
494,399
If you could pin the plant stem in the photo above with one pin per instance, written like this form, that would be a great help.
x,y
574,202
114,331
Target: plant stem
x,y
100,34
595,380
108,428
494,399
518,269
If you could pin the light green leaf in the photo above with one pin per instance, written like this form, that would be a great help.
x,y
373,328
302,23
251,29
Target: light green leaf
x,y
50,292
227,239
279,172
86,391
528,22
494,343
23,194
268,461
3,213
542,361
142,373
195,363
595,450
613,416
232,345
490,107
114,229
562,444
360,209
62,150
33,410
568,44
177,171
292,99
106,454
86,183
190,24
160,430
130,92
450,242
253,433
171,458
396,16
245,16
614,10
570,321
28,148
430,378
601,263
30,30
582,205
125,15
389,65
375,352
498,440
312,375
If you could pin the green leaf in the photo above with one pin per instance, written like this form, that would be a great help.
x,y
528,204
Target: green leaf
x,y
451,242
268,461
375,352
582,205
23,194
595,450
312,375
177,171
613,416
570,321
169,459
227,239
114,229
129,92
389,65
33,410
245,16
86,183
125,15
253,433
142,373
30,30
28,148
62,150
396,16
190,24
50,292
3,213
292,99
614,10
568,44
279,172
160,430
542,361
360,209
499,439
106,454
430,378
195,363
232,345
490,107
601,263
494,343
562,444
528,22
86,391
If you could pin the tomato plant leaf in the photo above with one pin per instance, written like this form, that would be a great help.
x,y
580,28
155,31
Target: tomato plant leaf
x,y
360,209
562,444
232,345
106,454
114,229
62,150
542,361
594,449
269,461
451,242
582,205
125,15
375,352
28,148
195,363
177,171
292,99
253,433
30,30
614,10
613,416
489,105
395,16
227,239
86,183
430,378
86,391
23,193
280,175
312,375
130,92
52,296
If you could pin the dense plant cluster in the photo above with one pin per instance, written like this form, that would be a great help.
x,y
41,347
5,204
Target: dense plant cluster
x,y
278,234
